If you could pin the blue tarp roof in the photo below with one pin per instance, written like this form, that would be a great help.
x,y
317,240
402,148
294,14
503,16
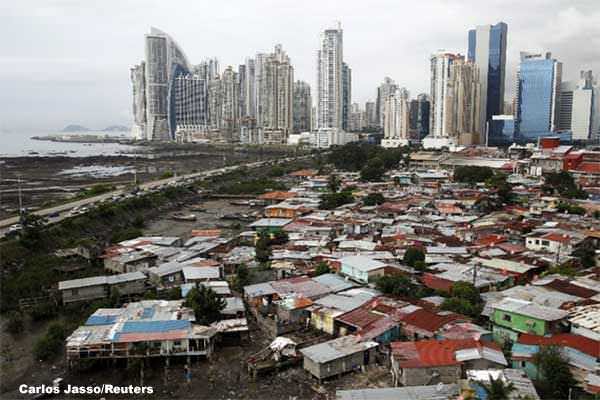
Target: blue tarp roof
x,y
101,320
148,313
154,326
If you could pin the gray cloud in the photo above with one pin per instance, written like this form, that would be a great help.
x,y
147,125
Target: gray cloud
x,y
65,61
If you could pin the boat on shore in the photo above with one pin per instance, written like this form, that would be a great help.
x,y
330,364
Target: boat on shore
x,y
184,217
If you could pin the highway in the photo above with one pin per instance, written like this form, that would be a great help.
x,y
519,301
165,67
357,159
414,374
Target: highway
x,y
63,209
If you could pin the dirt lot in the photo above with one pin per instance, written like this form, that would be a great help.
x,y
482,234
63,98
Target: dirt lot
x,y
47,180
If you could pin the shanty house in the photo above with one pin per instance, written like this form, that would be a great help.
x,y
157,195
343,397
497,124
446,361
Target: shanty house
x,y
512,316
100,287
362,269
338,356
429,362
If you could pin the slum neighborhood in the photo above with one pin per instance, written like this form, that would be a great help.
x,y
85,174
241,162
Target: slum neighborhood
x,y
386,279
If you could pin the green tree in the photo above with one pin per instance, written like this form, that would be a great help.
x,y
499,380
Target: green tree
x,y
373,171
49,345
412,255
207,305
322,268
555,376
563,184
263,247
242,277
465,300
333,183
460,306
466,290
497,389
329,201
498,182
14,323
472,174
373,199
398,285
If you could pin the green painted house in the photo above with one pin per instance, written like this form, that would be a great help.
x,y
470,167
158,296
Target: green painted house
x,y
510,317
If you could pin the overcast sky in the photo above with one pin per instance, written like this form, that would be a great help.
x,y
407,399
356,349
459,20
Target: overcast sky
x,y
66,61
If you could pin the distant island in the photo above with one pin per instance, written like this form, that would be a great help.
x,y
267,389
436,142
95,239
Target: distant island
x,y
74,128
116,128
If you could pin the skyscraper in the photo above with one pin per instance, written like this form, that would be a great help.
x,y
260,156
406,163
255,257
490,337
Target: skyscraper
x,y
329,79
576,100
230,104
274,88
396,111
356,121
346,95
419,117
455,91
538,95
138,80
487,49
302,107
371,120
383,91
191,108
164,62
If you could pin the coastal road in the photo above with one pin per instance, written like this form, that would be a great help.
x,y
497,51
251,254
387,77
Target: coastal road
x,y
62,209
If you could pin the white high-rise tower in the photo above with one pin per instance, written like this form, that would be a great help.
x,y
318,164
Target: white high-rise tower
x,y
329,80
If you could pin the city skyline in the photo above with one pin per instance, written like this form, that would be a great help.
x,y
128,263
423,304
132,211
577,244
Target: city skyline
x,y
77,86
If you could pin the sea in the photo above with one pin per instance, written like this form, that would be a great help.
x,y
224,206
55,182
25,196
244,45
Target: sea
x,y
20,144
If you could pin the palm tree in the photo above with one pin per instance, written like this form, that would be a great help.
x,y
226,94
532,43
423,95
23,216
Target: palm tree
x,y
497,389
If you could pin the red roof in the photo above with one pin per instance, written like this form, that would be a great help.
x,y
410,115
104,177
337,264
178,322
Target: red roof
x,y
581,343
436,283
490,240
556,237
434,353
589,167
511,248
567,287
430,321
277,195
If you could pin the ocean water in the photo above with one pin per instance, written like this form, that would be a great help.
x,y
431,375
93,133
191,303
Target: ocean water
x,y
19,144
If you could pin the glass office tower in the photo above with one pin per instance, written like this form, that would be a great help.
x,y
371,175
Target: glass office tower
x,y
501,130
538,93
487,48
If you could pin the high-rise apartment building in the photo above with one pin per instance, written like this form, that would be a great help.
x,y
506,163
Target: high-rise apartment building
x,y
455,91
356,121
329,79
576,101
164,62
538,96
302,107
396,119
191,108
371,120
346,94
383,92
230,105
487,49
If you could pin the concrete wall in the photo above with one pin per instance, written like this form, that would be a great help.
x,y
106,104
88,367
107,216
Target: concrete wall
x,y
429,376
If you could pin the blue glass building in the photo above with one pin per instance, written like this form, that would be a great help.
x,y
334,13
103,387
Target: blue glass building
x,y
501,130
538,84
487,48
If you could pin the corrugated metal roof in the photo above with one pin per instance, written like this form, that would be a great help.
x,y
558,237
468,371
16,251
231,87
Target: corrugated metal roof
x,y
336,348
431,392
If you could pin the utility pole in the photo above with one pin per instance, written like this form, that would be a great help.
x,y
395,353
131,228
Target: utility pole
x,y
21,213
